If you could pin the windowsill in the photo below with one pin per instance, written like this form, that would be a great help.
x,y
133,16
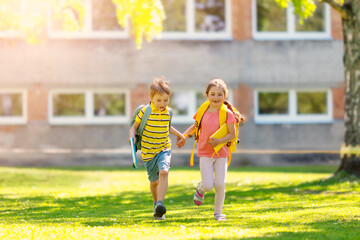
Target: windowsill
x,y
274,37
293,121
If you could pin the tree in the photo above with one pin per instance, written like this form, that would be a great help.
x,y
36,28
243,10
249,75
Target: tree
x,y
349,11
28,18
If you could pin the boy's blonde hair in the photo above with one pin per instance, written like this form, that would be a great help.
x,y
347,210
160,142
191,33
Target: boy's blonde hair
x,y
217,82
159,86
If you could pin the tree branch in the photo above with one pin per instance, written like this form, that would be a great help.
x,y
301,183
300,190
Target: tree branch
x,y
339,8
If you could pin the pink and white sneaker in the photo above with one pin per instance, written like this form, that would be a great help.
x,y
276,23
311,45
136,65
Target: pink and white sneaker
x,y
220,217
198,196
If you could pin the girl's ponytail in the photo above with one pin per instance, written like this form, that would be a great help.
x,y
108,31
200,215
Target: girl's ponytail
x,y
236,114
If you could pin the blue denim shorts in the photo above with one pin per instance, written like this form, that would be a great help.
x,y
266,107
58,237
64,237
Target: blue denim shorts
x,y
160,162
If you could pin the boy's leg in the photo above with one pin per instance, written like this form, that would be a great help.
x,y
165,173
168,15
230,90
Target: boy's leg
x,y
163,185
220,168
163,166
154,189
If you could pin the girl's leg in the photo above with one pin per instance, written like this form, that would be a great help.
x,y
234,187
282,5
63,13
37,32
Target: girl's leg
x,y
220,167
207,174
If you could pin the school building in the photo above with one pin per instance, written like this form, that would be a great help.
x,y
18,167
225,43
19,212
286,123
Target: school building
x,y
69,100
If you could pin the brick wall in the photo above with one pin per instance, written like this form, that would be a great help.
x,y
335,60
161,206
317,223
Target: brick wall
x,y
243,99
338,102
241,19
37,103
139,95
336,25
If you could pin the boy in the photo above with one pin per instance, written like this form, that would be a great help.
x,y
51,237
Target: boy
x,y
156,144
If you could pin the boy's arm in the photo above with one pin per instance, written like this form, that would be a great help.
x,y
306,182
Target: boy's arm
x,y
180,137
133,129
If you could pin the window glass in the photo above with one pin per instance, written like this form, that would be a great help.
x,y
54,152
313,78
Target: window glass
x,y
109,104
104,16
210,15
68,105
200,99
273,103
11,8
315,23
175,11
10,105
179,102
311,103
270,16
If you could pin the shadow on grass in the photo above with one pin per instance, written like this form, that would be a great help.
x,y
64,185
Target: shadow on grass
x,y
266,193
131,208
319,230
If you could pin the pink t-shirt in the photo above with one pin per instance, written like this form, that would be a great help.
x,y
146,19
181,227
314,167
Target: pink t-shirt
x,y
209,125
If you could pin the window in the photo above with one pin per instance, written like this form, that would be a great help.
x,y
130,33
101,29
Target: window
x,y
100,21
293,106
197,19
88,107
273,22
13,9
185,104
13,107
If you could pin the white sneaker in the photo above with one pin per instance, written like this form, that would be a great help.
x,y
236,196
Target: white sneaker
x,y
160,218
220,217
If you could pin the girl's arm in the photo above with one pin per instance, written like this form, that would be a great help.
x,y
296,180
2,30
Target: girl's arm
x,y
230,136
189,130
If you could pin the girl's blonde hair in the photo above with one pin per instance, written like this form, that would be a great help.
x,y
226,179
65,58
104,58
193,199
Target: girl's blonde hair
x,y
218,82
159,86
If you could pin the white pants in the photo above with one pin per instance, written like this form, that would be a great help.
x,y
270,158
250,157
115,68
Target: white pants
x,y
208,168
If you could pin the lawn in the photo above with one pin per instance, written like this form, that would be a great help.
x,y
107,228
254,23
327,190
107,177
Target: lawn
x,y
302,202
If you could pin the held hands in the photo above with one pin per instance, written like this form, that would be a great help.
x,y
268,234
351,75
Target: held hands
x,y
180,141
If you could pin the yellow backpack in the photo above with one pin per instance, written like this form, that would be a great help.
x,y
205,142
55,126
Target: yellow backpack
x,y
222,120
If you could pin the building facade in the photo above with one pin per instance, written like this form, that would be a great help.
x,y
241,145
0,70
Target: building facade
x,y
69,100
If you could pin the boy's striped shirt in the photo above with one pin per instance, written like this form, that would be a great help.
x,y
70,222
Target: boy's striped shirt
x,y
155,137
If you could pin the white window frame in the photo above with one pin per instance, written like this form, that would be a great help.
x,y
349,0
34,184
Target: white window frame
x,y
16,120
292,116
89,117
191,34
291,33
87,31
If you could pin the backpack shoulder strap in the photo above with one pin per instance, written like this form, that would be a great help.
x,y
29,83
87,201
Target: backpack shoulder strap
x,y
199,115
171,114
144,119
222,115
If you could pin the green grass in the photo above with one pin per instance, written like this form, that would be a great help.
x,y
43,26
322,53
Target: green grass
x,y
104,203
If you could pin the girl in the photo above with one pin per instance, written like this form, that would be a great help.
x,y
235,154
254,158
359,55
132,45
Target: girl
x,y
214,164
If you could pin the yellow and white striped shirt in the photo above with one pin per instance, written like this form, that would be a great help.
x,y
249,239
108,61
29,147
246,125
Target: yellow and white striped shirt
x,y
155,137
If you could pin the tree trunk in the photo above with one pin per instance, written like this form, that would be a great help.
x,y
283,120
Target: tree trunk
x,y
351,30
